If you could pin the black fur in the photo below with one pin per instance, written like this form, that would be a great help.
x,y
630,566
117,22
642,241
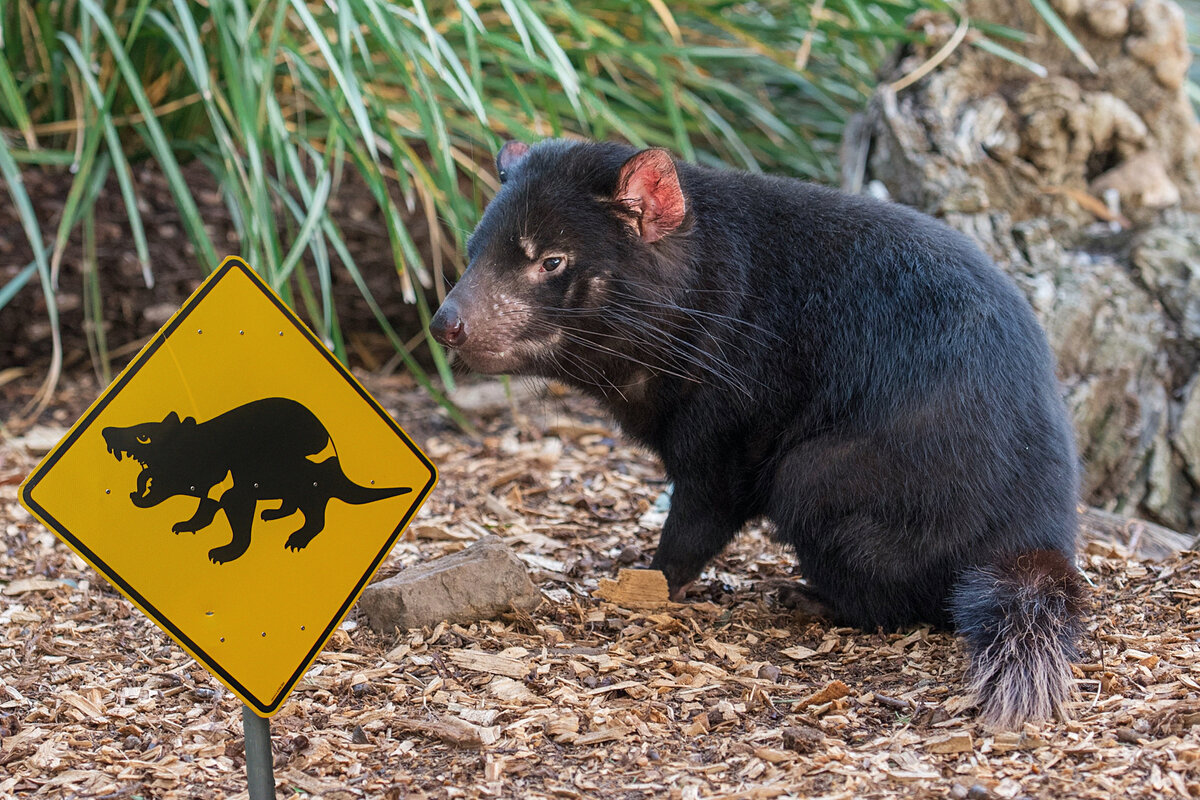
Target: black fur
x,y
857,372
1020,618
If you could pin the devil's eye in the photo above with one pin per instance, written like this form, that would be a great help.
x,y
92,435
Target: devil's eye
x,y
143,439
552,263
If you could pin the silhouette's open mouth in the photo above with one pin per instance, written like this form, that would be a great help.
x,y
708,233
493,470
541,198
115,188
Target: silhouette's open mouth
x,y
143,483
144,480
121,452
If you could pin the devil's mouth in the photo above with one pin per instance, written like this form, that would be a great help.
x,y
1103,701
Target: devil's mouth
x,y
491,361
516,356
144,479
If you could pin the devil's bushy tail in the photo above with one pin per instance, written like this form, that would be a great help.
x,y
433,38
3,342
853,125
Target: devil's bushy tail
x,y
1021,618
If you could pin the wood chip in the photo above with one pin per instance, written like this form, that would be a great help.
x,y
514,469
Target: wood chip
x,y
609,734
489,662
954,743
635,588
23,585
451,730
834,690
798,652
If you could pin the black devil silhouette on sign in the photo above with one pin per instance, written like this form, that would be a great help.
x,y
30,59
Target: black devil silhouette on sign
x,y
265,446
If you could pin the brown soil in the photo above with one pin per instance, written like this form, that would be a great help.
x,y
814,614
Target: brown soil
x,y
132,312
728,696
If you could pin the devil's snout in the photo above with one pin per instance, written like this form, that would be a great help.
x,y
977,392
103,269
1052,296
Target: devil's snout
x,y
447,326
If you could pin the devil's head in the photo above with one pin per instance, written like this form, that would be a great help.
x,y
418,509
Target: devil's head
x,y
579,242
150,444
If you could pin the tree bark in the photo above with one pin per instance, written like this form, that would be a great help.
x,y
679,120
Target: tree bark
x,y
1085,186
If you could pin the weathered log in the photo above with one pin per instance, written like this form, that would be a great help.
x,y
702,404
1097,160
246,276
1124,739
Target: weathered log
x,y
1141,539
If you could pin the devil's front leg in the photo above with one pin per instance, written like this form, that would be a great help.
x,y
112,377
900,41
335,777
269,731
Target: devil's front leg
x,y
239,510
203,517
702,521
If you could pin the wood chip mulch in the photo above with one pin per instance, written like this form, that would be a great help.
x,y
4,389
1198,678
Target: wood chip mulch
x,y
729,695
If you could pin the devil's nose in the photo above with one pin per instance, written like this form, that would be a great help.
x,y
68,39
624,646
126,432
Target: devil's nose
x,y
447,326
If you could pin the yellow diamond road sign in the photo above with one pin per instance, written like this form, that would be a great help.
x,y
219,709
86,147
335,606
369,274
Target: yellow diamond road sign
x,y
237,484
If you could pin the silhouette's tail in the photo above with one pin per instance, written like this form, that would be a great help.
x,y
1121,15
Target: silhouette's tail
x,y
348,491
1021,618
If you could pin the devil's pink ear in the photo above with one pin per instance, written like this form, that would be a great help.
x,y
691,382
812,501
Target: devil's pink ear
x,y
509,156
172,418
649,187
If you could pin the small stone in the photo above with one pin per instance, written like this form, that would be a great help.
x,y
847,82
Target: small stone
x,y
359,736
979,792
1129,736
803,738
629,555
769,672
480,582
958,792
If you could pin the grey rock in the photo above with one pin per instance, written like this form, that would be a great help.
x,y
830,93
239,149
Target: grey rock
x,y
480,582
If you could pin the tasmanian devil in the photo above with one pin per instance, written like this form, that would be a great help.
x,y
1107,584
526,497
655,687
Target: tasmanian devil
x,y
854,371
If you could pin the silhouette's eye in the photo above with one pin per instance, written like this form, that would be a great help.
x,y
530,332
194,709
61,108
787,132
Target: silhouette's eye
x,y
143,439
552,263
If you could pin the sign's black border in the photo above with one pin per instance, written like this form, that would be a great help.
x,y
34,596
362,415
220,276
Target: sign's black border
x,y
261,707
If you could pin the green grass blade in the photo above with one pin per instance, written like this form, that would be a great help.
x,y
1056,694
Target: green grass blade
x,y
316,210
20,198
117,154
999,50
348,86
16,283
156,139
14,105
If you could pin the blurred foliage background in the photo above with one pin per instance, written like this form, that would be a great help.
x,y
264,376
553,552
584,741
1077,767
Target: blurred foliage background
x,y
279,100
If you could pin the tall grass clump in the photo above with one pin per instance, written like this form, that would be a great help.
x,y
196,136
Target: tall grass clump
x,y
279,99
